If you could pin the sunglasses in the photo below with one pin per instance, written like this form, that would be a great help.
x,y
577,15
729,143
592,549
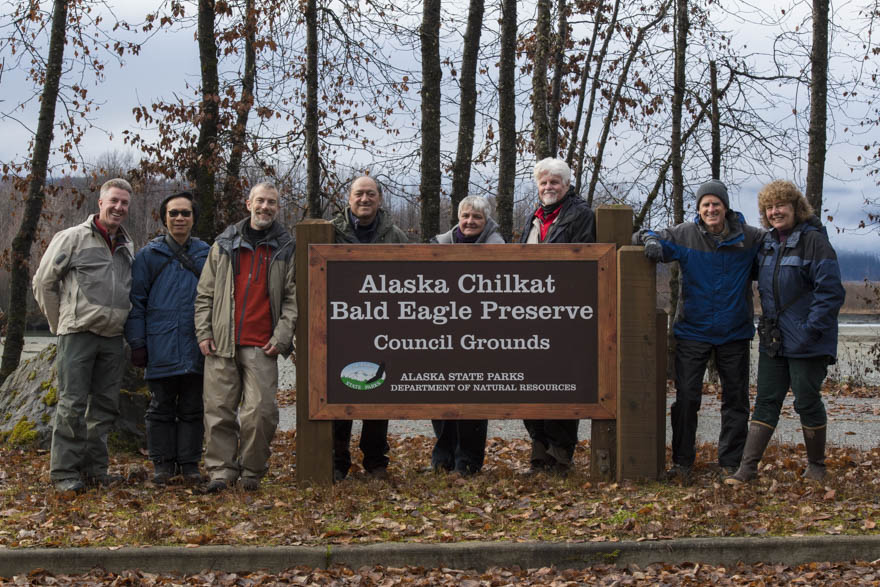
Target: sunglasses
x,y
176,213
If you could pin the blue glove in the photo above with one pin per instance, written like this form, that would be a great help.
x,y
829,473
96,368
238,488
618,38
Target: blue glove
x,y
654,250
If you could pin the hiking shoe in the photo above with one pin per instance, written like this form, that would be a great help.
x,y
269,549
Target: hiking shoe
x,y
65,485
249,483
162,473
103,480
216,486
681,473
380,473
191,473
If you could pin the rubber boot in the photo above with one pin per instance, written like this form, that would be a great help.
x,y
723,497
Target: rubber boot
x,y
814,440
756,444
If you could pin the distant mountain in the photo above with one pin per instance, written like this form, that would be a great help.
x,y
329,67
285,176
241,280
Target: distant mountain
x,y
858,266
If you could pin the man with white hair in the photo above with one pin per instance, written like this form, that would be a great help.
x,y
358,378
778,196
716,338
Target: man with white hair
x,y
245,314
561,217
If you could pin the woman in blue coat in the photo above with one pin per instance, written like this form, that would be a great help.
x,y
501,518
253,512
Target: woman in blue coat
x,y
801,296
162,335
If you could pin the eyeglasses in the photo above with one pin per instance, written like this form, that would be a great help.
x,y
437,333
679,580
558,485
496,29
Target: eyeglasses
x,y
176,213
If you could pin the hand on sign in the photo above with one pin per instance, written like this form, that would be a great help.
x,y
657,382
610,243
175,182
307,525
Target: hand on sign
x,y
654,250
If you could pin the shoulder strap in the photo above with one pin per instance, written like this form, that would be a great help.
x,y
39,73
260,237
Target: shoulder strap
x,y
184,259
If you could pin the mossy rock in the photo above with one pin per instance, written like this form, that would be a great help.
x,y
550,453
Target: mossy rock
x,y
31,393
23,434
51,397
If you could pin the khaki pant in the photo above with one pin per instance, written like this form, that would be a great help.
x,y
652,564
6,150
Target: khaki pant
x,y
247,385
90,371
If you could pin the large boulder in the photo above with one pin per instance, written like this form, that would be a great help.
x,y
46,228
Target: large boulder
x,y
28,398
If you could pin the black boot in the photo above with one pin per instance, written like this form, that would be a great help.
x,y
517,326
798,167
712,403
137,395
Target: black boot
x,y
814,440
756,444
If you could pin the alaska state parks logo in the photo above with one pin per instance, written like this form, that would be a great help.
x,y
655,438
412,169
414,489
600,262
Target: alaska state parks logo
x,y
363,375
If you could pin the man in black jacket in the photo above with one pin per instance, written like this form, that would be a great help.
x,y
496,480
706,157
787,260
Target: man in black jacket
x,y
561,217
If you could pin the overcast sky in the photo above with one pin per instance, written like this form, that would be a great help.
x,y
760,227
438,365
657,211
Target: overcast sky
x,y
167,60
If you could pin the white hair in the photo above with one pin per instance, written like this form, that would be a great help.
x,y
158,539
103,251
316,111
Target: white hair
x,y
553,166
476,203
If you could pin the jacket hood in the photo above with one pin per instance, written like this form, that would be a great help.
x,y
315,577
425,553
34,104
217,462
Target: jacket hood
x,y
811,224
735,220
232,236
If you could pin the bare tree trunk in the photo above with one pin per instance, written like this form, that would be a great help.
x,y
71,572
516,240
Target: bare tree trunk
x,y
558,67
615,98
541,130
27,230
681,31
716,122
313,163
582,94
594,89
461,169
206,147
429,189
507,119
233,196
818,105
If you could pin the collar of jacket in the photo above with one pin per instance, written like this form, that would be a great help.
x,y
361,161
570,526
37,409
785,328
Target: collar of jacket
x,y
563,216
231,238
160,245
795,236
344,227
735,220
123,238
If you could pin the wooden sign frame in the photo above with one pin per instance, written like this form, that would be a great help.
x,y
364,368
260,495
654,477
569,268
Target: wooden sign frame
x,y
605,257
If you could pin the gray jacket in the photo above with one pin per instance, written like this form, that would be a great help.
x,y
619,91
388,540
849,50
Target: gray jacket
x,y
489,236
80,285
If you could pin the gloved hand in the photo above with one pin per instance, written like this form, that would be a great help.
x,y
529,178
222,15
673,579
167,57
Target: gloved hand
x,y
139,357
654,250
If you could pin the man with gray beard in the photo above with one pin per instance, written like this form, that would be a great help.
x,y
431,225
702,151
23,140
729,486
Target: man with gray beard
x,y
245,315
561,217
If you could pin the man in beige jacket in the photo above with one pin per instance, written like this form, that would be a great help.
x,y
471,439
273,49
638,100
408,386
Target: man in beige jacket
x,y
82,287
245,317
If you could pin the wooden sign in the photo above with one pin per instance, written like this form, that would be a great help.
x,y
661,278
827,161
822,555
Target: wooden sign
x,y
462,331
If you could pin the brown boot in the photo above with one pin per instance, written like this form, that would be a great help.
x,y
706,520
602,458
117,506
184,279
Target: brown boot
x,y
814,440
756,444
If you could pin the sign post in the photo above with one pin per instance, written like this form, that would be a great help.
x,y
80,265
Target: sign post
x,y
314,438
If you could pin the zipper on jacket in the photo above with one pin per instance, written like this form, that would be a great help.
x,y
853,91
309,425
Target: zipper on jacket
x,y
776,278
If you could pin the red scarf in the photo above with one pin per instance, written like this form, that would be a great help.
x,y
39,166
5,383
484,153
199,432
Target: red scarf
x,y
546,220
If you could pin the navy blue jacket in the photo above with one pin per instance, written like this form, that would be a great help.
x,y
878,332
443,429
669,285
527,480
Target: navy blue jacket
x,y
162,309
804,273
715,295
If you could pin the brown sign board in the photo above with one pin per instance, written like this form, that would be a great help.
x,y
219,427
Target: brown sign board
x,y
462,332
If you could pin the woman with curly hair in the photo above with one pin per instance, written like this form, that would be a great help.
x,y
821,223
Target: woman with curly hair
x,y
801,296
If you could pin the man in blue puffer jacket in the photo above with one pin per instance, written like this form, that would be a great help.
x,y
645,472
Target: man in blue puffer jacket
x,y
161,332
715,253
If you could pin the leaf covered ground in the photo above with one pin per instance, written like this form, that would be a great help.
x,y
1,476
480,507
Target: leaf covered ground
x,y
502,503
658,574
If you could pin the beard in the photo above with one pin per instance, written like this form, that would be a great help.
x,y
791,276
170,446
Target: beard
x,y
550,200
262,221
